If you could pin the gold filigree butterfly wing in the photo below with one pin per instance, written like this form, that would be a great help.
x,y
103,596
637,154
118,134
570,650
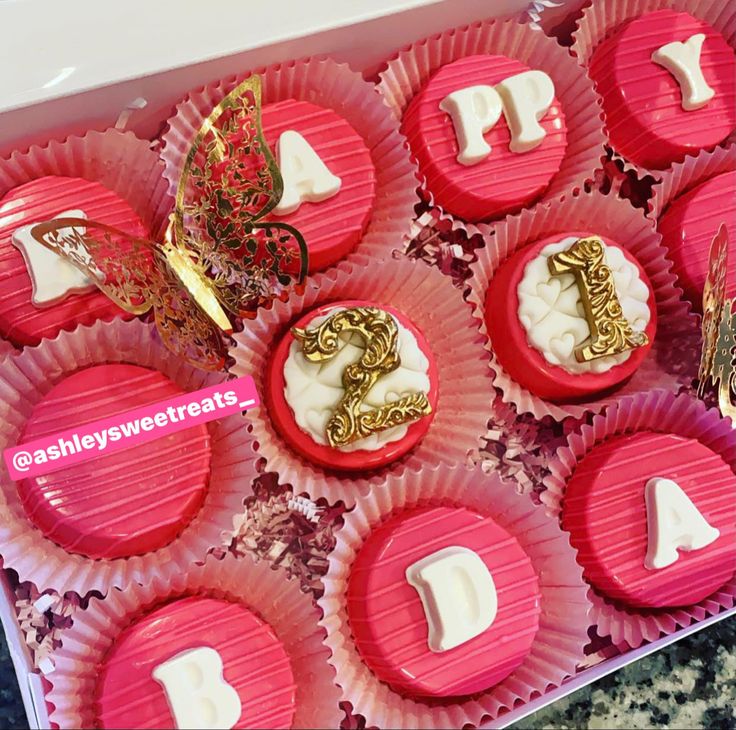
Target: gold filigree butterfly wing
x,y
135,273
229,182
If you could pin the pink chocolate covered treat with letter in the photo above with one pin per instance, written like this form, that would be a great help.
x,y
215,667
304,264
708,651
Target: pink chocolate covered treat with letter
x,y
196,662
442,602
668,83
125,503
40,292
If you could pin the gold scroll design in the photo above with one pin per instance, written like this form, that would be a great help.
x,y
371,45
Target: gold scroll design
x,y
218,255
378,329
610,331
718,356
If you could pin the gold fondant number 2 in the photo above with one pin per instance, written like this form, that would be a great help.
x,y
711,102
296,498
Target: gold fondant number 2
x,y
378,328
610,332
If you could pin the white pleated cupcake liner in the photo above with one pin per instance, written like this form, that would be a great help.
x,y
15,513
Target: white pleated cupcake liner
x,y
563,627
268,592
410,70
673,359
335,86
426,298
663,412
25,379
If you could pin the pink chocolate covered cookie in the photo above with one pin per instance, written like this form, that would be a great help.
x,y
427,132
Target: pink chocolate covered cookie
x,y
653,518
40,293
442,602
196,662
488,134
688,227
668,82
125,503
329,178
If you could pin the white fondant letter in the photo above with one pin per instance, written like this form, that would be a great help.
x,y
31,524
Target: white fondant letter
x,y
673,522
305,176
526,98
53,277
197,693
473,111
458,595
682,60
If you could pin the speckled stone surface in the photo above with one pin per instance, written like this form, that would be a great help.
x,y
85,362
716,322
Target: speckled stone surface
x,y
691,684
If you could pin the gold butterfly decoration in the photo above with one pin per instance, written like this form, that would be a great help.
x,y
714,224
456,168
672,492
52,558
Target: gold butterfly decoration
x,y
718,358
218,256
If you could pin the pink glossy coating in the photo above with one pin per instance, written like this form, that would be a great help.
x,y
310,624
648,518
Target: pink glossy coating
x,y
388,621
254,661
128,502
333,227
642,100
604,510
688,227
40,200
524,363
505,181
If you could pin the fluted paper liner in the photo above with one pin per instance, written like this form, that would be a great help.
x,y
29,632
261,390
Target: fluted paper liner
x,y
663,412
27,377
430,301
118,160
673,359
563,623
410,70
688,174
268,592
601,17
333,85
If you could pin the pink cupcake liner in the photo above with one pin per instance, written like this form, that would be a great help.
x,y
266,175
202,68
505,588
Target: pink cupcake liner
x,y
411,69
563,629
663,412
333,85
430,301
265,590
601,17
674,357
118,160
691,172
25,378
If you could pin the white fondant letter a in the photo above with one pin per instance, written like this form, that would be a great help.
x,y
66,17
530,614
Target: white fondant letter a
x,y
197,693
673,522
526,98
458,595
305,176
682,60
473,111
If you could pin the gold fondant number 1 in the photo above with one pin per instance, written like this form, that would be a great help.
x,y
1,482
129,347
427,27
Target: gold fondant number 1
x,y
348,422
610,332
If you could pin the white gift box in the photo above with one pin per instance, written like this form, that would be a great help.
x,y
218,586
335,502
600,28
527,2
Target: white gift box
x,y
71,66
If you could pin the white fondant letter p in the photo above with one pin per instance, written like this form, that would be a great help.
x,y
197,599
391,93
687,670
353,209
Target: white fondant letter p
x,y
458,595
197,693
306,178
526,98
673,522
682,60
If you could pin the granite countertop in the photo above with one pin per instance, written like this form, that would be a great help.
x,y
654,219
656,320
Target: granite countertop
x,y
690,684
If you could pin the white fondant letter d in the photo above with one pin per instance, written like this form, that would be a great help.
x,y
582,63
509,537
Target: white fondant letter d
x,y
458,595
305,176
198,694
673,522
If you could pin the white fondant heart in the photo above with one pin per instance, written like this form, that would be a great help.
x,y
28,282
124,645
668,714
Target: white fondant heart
x,y
549,291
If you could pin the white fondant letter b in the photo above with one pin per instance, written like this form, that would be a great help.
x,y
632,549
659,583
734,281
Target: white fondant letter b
x,y
682,60
526,98
473,111
197,693
673,522
305,176
458,595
